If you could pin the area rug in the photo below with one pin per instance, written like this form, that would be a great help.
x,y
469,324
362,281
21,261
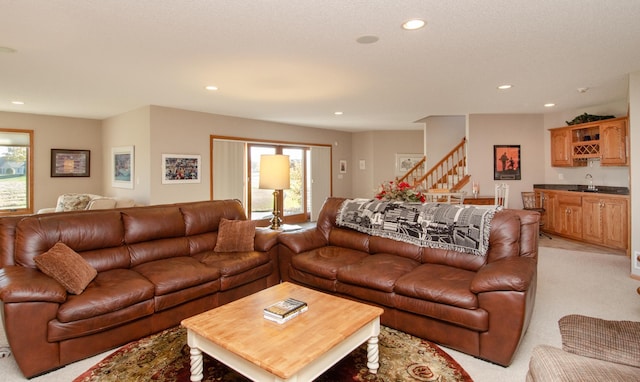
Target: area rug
x,y
164,357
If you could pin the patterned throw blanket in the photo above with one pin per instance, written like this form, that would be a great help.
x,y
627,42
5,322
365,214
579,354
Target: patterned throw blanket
x,y
461,228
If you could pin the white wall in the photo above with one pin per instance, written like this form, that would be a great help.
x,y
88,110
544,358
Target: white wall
x,y
51,132
378,149
128,129
634,124
362,179
487,130
442,133
177,131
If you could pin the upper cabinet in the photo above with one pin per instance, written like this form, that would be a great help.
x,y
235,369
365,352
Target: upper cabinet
x,y
613,146
606,140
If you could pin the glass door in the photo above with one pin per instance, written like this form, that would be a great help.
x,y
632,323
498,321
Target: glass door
x,y
260,201
293,200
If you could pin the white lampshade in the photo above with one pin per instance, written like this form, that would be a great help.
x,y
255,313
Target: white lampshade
x,y
274,172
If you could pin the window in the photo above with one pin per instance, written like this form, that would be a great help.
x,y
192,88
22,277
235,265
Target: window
x,y
16,171
235,174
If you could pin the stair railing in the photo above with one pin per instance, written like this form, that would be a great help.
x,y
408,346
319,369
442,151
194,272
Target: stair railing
x,y
450,173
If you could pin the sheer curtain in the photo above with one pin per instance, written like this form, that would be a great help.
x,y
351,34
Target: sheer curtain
x,y
229,170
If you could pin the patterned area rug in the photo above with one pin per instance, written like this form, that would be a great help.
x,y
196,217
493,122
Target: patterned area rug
x,y
164,357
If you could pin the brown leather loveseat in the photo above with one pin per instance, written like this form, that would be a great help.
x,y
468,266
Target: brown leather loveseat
x,y
480,305
154,266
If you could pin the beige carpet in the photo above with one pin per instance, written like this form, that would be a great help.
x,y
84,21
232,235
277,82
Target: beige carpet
x,y
569,281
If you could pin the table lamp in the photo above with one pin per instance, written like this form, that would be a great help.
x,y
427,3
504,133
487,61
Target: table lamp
x,y
274,175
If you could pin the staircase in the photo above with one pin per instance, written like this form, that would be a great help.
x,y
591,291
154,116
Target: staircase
x,y
449,174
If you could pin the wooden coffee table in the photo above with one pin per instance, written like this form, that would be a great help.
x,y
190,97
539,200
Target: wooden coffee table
x,y
301,349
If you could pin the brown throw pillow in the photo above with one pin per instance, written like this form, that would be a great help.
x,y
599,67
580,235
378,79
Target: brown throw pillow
x,y
613,341
67,267
235,236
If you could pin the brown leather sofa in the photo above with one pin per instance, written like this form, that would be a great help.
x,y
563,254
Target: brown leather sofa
x,y
155,265
480,305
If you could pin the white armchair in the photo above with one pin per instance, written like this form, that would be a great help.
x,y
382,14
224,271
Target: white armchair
x,y
78,202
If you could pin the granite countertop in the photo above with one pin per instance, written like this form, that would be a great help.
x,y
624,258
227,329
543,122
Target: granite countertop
x,y
584,189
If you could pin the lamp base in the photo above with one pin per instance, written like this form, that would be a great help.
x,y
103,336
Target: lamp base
x,y
276,221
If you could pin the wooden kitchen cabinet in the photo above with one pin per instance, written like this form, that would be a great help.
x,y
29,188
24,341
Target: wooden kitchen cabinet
x,y
568,216
561,147
605,140
595,218
605,221
613,143
548,202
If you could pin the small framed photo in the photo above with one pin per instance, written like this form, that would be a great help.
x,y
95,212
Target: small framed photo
x,y
70,163
122,166
405,162
343,166
180,168
506,162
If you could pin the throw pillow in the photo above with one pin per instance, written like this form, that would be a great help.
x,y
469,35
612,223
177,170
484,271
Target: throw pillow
x,y
235,236
613,341
67,267
72,202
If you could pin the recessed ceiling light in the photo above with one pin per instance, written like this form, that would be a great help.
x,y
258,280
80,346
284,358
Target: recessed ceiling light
x,y
211,87
549,104
17,102
505,87
367,39
413,24
338,113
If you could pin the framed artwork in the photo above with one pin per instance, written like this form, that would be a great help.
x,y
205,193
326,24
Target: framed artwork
x,y
405,162
70,163
506,162
180,168
343,166
122,166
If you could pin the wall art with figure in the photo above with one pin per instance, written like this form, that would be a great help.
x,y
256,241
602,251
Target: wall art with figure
x,y
506,162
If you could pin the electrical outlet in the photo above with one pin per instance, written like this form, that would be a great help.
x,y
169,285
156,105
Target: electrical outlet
x,y
561,176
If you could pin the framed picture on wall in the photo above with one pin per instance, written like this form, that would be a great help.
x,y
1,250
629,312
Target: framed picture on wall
x,y
343,166
405,162
70,163
180,168
122,166
506,162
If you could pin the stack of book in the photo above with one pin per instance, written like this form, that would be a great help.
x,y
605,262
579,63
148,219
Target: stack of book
x,y
284,310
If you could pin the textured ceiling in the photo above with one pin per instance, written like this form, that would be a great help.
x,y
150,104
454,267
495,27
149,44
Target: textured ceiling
x,y
297,61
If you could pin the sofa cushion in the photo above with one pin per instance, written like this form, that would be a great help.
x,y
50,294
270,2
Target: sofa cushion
x,y
67,267
376,271
613,341
176,273
235,236
439,283
326,261
229,264
552,364
73,202
101,204
110,291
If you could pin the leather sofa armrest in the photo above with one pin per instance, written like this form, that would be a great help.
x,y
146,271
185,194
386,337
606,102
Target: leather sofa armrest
x,y
21,284
302,241
510,274
265,239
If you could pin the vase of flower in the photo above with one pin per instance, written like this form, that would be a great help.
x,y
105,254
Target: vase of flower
x,y
475,189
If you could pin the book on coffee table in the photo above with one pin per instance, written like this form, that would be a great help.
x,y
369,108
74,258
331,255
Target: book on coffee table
x,y
284,310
